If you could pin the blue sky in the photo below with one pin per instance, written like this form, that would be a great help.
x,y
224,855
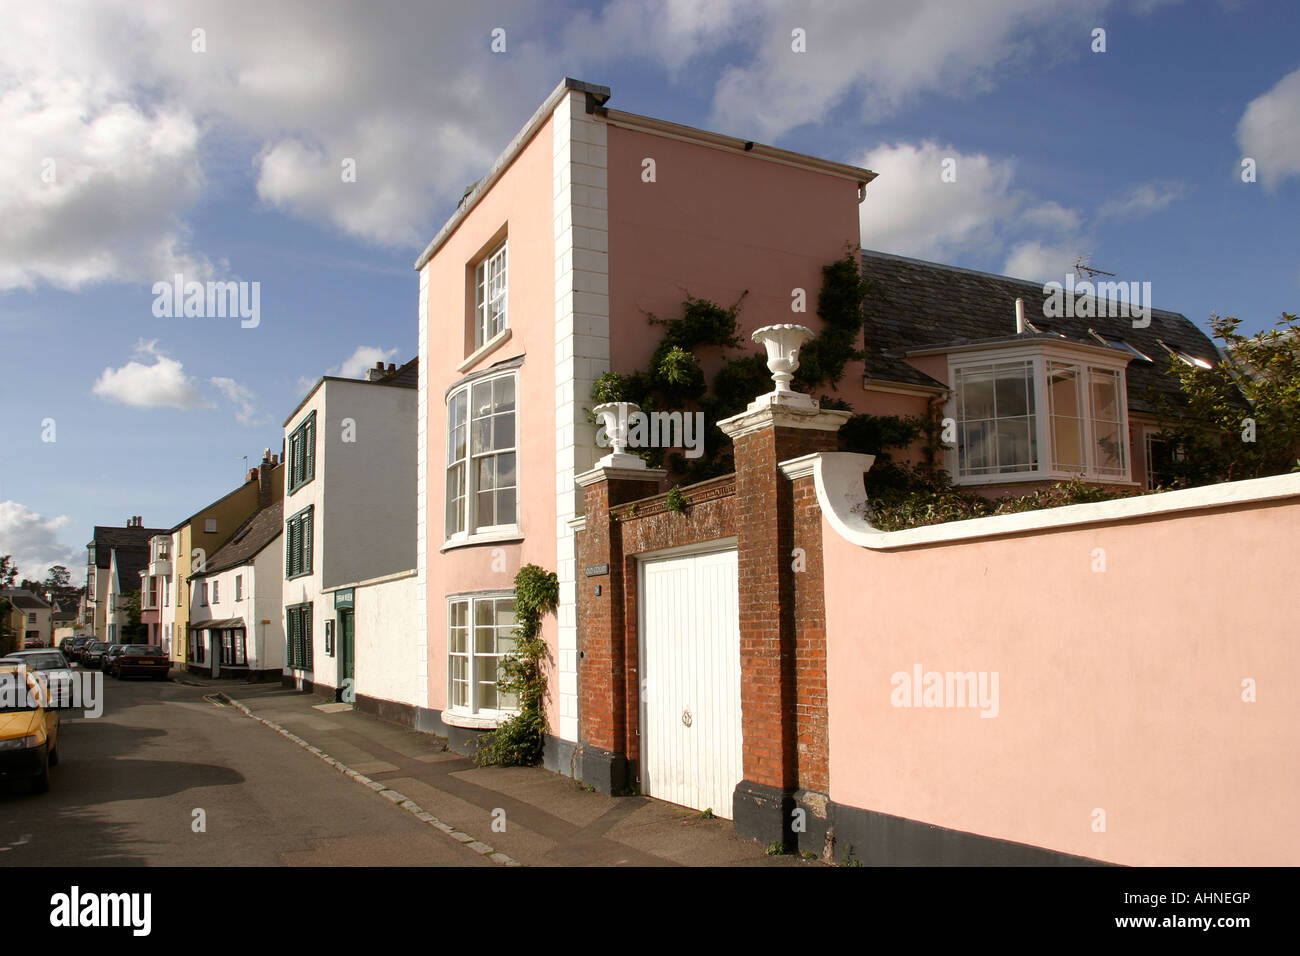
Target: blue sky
x,y
129,155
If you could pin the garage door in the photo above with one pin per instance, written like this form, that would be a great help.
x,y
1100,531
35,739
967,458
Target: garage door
x,y
690,680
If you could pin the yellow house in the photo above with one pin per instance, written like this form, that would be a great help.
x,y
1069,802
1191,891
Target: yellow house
x,y
196,539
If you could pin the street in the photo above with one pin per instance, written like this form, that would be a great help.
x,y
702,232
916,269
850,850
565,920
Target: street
x,y
129,784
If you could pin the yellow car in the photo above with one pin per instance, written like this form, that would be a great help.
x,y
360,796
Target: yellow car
x,y
29,728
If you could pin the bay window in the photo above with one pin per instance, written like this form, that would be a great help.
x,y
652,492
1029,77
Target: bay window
x,y
482,479
480,632
1055,413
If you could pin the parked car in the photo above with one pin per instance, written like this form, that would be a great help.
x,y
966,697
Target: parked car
x,y
146,659
29,730
53,668
31,643
93,654
78,647
110,655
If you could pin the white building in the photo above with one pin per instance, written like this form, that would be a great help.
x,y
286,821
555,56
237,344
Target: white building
x,y
349,543
235,604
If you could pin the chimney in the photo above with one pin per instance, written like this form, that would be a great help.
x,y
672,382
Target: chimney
x,y
264,475
1021,327
376,373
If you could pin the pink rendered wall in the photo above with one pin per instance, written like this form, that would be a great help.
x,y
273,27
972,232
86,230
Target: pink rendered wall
x,y
520,201
1119,690
713,224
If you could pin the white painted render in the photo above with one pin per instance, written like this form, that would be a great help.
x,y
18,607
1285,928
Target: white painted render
x,y
259,607
390,642
363,496
581,351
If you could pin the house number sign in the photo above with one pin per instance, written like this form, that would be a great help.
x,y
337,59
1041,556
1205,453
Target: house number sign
x,y
596,569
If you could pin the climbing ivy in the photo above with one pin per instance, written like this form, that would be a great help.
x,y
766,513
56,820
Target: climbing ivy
x,y
518,741
675,379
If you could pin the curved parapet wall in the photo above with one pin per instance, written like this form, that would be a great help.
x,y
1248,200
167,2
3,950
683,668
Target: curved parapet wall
x,y
843,498
1112,681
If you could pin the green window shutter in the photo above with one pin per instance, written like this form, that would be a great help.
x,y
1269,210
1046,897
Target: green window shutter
x,y
288,549
290,624
307,636
306,542
309,439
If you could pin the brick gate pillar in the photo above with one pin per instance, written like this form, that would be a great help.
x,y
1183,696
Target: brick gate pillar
x,y
782,645
602,647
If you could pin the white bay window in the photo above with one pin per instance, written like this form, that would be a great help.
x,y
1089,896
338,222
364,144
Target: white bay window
x,y
1053,413
482,461
480,633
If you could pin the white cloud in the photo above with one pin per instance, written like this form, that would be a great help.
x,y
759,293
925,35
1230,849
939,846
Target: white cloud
x,y
354,366
1039,261
242,397
911,211
1269,131
1141,200
163,384
96,179
883,54
33,540
365,357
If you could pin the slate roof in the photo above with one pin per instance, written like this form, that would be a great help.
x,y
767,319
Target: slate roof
x,y
25,599
913,304
130,562
248,540
108,538
408,376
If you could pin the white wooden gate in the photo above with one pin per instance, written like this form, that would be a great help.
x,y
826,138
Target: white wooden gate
x,y
691,739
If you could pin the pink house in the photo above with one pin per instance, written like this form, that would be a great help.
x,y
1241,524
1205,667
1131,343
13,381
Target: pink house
x,y
538,284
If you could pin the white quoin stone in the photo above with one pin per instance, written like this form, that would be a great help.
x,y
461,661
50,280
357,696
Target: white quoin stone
x,y
614,416
783,343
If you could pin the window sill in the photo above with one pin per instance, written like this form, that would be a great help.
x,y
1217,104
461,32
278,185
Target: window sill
x,y
297,488
502,536
295,577
487,348
456,718
1053,476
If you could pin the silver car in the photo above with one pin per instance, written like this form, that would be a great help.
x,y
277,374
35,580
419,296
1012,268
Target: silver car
x,y
53,669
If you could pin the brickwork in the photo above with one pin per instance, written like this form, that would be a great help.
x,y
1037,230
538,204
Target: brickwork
x,y
781,603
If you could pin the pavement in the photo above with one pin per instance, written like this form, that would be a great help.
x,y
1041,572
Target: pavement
x,y
509,815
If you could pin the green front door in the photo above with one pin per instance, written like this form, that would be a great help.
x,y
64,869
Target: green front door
x,y
347,657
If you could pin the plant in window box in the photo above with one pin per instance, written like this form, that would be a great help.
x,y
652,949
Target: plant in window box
x,y
518,741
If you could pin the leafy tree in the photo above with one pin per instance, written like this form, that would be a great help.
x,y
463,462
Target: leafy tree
x,y
8,635
133,631
1241,418
8,571
59,578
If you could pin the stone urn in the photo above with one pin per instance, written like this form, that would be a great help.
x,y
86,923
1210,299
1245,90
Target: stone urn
x,y
614,417
783,343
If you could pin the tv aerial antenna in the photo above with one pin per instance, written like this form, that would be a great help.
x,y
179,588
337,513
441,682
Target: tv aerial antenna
x,y
1081,265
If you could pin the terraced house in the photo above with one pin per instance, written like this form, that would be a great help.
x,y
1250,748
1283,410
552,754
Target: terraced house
x,y
349,541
